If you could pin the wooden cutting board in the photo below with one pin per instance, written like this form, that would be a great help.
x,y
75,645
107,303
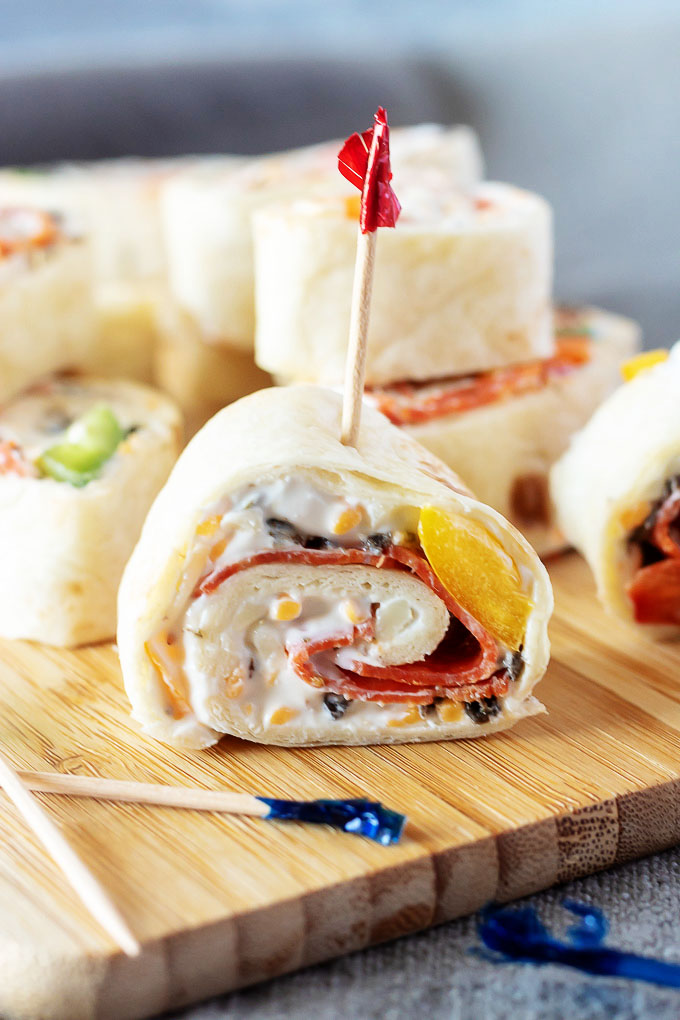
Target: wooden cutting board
x,y
224,902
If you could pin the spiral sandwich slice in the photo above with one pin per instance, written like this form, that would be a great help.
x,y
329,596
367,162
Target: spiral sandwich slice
x,y
464,285
207,216
617,493
502,430
46,313
202,378
291,590
80,463
114,207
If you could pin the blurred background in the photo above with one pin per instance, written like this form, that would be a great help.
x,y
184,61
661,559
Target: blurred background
x,y
578,101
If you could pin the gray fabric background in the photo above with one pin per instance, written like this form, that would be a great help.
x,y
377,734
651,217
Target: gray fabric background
x,y
578,101
434,975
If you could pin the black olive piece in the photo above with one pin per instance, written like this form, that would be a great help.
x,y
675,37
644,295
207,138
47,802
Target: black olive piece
x,y
642,536
56,420
513,663
283,531
482,711
336,704
381,541
318,542
671,485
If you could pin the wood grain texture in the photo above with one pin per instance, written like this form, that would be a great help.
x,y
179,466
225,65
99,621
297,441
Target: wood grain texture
x,y
220,902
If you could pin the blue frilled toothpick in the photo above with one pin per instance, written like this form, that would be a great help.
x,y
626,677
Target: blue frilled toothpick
x,y
519,936
359,817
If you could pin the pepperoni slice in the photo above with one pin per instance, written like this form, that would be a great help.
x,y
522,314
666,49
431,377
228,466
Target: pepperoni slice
x,y
666,532
311,557
461,667
387,692
655,592
655,588
409,403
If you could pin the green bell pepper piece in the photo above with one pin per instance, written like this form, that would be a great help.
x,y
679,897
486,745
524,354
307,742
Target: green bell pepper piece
x,y
87,445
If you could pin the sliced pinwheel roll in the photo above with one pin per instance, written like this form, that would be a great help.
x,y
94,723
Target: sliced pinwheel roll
x,y
80,463
617,492
439,155
292,590
114,203
207,215
463,285
207,222
115,206
46,314
202,378
120,206
124,338
502,430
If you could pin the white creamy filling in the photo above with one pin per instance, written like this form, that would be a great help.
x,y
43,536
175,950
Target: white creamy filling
x,y
292,501
266,679
241,647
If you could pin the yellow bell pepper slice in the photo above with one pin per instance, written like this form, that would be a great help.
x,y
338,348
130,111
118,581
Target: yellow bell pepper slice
x,y
475,569
641,362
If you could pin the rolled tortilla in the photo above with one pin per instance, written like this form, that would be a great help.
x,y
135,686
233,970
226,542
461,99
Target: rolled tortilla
x,y
124,339
617,493
207,213
438,155
463,285
114,203
501,431
64,543
113,208
57,189
292,590
46,315
202,378
121,202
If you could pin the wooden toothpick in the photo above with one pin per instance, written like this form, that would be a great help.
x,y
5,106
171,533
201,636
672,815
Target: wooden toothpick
x,y
357,816
145,793
355,367
88,888
365,161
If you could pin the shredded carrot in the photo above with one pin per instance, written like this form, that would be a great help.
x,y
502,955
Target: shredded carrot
x,y
26,229
13,460
163,651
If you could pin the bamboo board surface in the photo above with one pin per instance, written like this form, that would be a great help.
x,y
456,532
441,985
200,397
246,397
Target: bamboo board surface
x,y
222,902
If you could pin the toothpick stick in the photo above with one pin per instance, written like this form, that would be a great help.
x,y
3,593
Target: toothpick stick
x,y
357,816
146,793
365,161
88,888
355,368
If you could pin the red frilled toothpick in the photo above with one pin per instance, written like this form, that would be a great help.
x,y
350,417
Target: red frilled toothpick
x,y
365,161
